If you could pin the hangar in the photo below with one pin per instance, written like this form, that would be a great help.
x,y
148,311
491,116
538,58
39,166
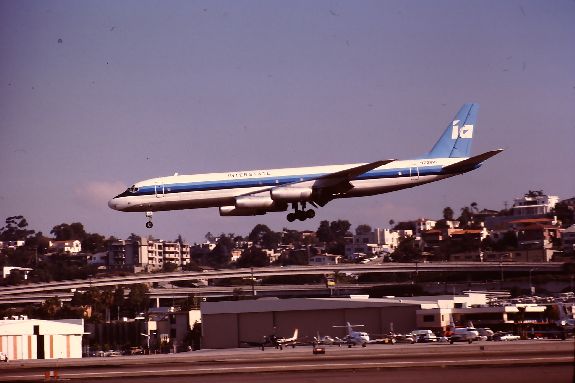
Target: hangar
x,y
228,324
24,338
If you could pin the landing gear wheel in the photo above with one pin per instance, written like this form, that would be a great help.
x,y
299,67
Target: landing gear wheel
x,y
301,215
149,224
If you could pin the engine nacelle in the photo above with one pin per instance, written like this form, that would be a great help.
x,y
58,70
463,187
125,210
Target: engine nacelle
x,y
291,194
250,206
238,211
250,202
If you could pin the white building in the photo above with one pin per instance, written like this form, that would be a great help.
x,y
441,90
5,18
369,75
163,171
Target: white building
x,y
73,246
375,242
423,224
7,270
11,244
534,203
41,339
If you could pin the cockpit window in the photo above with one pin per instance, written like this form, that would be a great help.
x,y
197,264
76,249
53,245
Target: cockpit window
x,y
133,189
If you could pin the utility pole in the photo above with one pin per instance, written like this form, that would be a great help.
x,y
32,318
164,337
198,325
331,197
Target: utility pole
x,y
253,286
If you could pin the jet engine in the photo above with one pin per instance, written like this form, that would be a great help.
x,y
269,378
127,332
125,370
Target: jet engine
x,y
254,202
291,194
238,211
253,205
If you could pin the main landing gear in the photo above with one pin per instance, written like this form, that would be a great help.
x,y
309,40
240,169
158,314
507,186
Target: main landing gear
x,y
302,215
149,224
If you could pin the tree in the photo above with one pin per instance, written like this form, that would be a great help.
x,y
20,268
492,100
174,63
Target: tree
x,y
324,233
407,251
466,217
169,267
448,213
565,213
221,255
93,243
258,232
138,300
293,237
16,229
362,229
263,236
50,308
340,229
253,257
65,232
39,242
474,207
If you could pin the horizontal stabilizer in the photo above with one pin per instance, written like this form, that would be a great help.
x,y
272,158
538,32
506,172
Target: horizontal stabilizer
x,y
470,163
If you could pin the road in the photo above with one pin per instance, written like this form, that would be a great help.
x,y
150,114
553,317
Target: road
x,y
38,292
522,361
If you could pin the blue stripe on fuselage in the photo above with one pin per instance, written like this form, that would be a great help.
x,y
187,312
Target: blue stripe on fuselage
x,y
277,181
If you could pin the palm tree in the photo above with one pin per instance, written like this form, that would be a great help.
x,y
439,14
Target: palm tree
x,y
474,207
448,214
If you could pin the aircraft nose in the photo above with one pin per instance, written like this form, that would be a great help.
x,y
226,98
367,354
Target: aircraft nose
x,y
113,204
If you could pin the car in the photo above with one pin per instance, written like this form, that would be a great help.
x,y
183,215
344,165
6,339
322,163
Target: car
x,y
424,336
503,336
3,357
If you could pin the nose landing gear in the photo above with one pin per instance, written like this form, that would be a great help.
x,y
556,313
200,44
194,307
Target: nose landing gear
x,y
301,215
149,224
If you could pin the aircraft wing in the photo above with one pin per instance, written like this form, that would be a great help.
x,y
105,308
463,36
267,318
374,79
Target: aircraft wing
x,y
470,163
351,173
339,181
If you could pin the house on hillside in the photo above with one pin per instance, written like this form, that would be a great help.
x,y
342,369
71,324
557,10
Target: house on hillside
x,y
72,246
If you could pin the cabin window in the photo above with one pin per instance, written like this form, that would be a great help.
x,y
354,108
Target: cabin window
x,y
133,189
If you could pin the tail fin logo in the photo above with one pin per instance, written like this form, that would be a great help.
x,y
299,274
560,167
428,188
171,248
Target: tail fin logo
x,y
464,132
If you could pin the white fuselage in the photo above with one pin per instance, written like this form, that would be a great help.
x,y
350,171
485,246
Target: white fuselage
x,y
223,189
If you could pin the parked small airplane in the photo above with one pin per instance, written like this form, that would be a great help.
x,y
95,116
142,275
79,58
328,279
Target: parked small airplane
x,y
275,341
354,338
327,340
257,192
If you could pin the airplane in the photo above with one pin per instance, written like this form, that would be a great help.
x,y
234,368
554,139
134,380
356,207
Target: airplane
x,y
280,342
327,340
354,338
257,192
274,341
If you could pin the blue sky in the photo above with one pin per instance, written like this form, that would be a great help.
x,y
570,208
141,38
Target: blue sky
x,y
97,95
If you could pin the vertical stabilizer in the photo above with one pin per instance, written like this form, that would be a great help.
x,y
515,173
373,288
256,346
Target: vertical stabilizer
x,y
456,139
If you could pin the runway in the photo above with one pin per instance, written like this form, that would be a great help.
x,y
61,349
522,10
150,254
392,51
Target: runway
x,y
522,361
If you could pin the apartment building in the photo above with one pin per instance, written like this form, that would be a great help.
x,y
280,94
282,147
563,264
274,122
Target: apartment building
x,y
534,203
146,254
